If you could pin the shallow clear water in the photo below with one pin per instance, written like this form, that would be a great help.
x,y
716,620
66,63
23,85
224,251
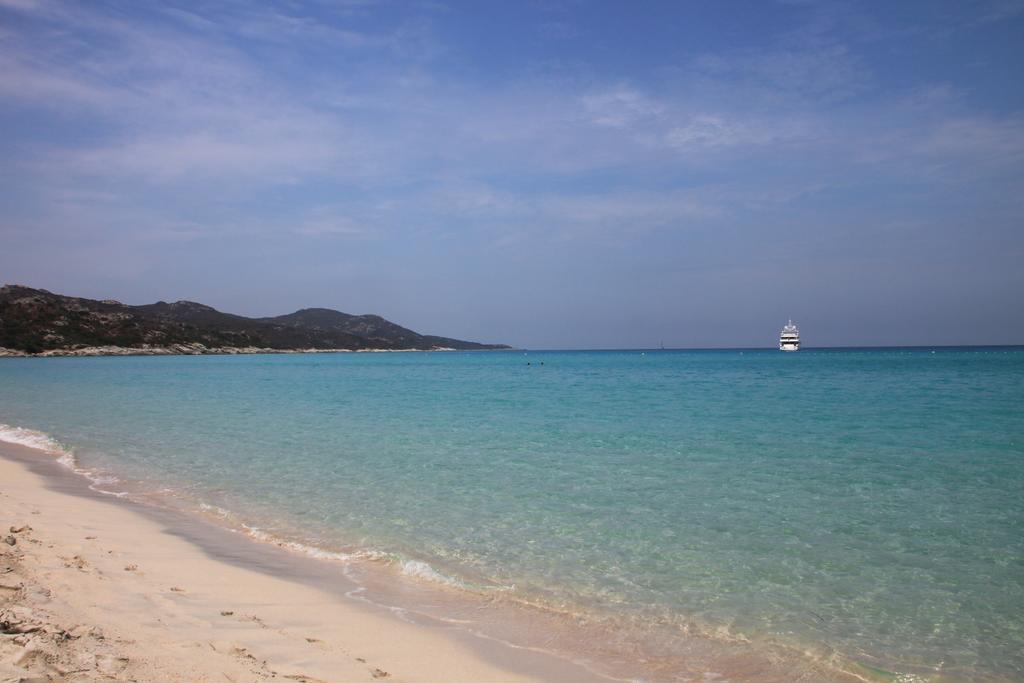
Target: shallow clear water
x,y
871,501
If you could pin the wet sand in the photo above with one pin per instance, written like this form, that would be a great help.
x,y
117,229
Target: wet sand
x,y
94,587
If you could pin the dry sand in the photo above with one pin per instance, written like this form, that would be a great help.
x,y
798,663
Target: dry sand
x,y
94,588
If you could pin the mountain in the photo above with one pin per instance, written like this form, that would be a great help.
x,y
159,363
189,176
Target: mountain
x,y
372,327
38,321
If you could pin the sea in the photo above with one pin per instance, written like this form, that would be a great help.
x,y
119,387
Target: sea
x,y
859,508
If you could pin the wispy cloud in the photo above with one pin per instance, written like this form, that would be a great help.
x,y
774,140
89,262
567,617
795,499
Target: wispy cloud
x,y
619,106
365,125
986,140
828,71
709,131
21,5
1000,10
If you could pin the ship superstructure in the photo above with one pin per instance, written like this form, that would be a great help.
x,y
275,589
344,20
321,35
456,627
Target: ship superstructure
x,y
789,338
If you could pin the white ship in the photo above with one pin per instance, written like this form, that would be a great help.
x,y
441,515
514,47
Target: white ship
x,y
789,340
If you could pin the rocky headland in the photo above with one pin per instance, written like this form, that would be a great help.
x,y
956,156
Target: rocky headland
x,y
35,322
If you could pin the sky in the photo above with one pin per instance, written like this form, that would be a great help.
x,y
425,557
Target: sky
x,y
560,174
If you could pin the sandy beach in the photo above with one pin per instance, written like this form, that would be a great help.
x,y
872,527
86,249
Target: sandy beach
x,y
97,588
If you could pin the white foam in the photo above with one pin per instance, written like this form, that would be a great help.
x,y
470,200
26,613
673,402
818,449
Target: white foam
x,y
115,494
32,439
65,456
413,568
425,572
67,459
312,551
422,570
215,509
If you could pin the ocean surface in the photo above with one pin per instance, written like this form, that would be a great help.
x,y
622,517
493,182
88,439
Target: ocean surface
x,y
864,503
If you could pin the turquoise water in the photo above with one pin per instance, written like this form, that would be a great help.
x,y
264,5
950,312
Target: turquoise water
x,y
870,501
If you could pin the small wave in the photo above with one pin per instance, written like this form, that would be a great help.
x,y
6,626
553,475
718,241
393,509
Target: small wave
x,y
34,439
412,568
422,570
65,456
216,510
258,534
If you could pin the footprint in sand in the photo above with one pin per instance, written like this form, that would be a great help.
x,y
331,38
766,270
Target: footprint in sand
x,y
111,666
78,562
256,620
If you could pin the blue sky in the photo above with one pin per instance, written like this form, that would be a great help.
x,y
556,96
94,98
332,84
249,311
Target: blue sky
x,y
546,174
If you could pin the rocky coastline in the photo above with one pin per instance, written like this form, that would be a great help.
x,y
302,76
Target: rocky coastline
x,y
35,322
187,350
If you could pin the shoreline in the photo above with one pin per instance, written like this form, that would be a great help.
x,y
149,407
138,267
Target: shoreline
x,y
98,587
201,350
514,640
